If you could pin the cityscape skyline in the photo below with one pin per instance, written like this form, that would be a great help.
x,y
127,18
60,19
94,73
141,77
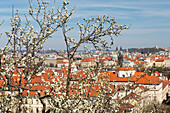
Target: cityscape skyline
x,y
45,67
149,20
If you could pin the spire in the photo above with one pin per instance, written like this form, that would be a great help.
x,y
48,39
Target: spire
x,y
116,48
127,50
142,51
120,48
120,59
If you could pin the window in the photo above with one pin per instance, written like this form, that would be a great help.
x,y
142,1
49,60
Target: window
x,y
37,110
31,110
37,102
48,102
31,101
26,102
4,100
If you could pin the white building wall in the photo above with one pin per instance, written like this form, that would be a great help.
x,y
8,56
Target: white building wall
x,y
59,65
33,104
125,73
154,93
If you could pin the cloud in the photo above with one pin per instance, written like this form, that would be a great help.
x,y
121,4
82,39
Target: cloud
x,y
128,8
131,4
109,6
87,14
155,13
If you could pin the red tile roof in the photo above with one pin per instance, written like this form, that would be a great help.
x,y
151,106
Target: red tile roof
x,y
132,96
159,60
136,76
112,76
124,69
1,82
149,80
121,79
37,79
167,81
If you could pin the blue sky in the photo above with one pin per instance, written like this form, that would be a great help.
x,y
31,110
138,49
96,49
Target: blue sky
x,y
150,20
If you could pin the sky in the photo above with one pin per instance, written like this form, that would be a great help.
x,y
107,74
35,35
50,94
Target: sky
x,y
149,20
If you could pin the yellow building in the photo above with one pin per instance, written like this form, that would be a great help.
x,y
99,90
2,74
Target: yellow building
x,y
159,63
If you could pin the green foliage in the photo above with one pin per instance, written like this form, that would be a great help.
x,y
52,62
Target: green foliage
x,y
159,69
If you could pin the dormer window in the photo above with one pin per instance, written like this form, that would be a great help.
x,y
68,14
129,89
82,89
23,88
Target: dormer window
x,y
37,102
31,101
48,102
26,102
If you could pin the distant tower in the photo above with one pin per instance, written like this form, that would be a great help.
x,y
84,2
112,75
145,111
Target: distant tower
x,y
142,51
121,48
148,53
127,53
120,59
156,47
116,49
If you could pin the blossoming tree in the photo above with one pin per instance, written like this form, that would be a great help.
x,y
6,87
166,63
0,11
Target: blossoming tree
x,y
20,63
